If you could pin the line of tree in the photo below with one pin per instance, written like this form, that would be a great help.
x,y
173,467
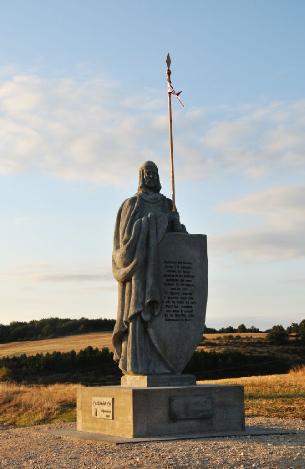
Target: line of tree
x,y
52,327
297,328
92,365
279,335
57,327
58,362
230,329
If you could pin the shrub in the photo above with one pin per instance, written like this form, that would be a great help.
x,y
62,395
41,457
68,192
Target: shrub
x,y
241,328
278,335
5,373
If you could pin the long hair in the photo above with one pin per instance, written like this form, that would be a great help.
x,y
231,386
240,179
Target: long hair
x,y
141,186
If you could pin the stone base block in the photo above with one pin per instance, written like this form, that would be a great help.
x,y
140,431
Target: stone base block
x,y
161,411
149,381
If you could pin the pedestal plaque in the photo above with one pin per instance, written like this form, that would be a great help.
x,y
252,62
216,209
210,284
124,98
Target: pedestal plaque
x,y
102,407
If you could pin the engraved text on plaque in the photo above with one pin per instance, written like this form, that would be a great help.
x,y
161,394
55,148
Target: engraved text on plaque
x,y
102,407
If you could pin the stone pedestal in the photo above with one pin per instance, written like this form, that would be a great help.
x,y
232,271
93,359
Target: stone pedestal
x,y
153,381
133,412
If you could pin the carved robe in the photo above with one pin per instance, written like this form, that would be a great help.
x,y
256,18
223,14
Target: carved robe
x,y
141,223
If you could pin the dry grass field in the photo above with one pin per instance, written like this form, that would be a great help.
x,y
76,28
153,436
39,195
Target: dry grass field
x,y
265,396
273,395
243,335
23,405
60,344
96,339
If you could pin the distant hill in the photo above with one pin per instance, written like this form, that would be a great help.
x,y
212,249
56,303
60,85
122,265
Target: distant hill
x,y
53,327
103,339
59,344
86,358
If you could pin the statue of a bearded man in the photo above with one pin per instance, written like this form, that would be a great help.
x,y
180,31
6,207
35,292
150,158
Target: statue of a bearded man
x,y
141,223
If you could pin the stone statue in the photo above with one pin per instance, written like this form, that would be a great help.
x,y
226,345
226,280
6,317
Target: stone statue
x,y
162,274
141,223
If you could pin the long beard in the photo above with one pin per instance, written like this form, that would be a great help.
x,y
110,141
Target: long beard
x,y
143,187
150,188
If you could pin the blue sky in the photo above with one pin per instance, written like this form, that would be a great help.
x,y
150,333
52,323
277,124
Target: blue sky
x,y
83,103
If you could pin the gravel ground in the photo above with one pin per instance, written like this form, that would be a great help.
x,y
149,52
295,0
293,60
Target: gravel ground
x,y
32,448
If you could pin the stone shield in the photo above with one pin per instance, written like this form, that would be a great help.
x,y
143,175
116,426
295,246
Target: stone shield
x,y
183,273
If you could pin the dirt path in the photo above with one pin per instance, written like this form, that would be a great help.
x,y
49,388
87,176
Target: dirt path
x,y
33,448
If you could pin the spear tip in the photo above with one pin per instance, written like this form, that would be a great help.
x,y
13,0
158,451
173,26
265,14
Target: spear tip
x,y
168,61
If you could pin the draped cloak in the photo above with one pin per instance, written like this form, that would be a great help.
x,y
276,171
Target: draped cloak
x,y
141,223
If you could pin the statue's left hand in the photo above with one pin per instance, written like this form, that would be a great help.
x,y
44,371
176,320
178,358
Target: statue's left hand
x,y
175,221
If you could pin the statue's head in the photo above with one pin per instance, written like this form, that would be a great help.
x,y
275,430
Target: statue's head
x,y
149,178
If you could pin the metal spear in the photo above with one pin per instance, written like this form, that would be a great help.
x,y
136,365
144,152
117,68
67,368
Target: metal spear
x,y
171,92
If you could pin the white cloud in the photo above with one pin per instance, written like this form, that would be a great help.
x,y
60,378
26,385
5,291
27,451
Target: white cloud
x,y
74,273
290,199
22,220
65,127
281,233
90,129
257,139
